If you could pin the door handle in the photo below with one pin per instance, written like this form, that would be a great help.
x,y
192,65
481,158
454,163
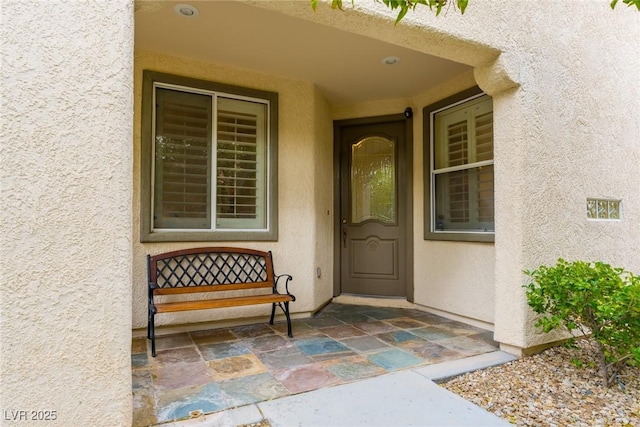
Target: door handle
x,y
344,237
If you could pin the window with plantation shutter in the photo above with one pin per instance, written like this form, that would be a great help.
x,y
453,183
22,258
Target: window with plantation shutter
x,y
209,172
460,158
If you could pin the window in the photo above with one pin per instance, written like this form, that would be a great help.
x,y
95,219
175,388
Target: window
x,y
208,161
459,157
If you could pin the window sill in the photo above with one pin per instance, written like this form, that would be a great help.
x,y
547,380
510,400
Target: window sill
x,y
460,236
207,236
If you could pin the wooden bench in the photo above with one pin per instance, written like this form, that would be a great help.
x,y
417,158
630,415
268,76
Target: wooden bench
x,y
210,270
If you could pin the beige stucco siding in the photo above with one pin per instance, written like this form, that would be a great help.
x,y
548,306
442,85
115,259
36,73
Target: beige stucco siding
x,y
305,190
323,194
65,263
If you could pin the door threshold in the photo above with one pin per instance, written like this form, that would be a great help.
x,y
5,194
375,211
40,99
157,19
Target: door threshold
x,y
374,300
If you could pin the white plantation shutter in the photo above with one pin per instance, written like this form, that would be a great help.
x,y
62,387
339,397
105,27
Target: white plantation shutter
x,y
484,151
457,154
463,169
457,144
483,125
182,160
240,174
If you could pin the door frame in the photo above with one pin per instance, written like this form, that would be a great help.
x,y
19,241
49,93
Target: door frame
x,y
407,169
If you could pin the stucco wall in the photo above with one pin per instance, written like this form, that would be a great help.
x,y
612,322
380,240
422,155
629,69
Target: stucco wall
x,y
304,241
323,193
66,221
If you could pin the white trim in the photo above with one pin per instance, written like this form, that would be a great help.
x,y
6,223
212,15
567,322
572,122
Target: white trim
x,y
214,162
463,167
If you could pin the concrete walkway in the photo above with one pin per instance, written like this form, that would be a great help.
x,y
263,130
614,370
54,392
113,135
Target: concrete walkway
x,y
405,398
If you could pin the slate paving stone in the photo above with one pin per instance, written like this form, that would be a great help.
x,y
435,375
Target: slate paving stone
x,y
223,349
331,356
144,410
350,318
235,367
467,346
173,341
394,359
353,368
364,344
382,313
460,328
139,345
251,389
284,357
323,322
303,337
486,337
176,355
430,352
180,375
298,328
212,336
267,343
180,403
307,377
141,380
342,331
406,323
374,328
433,333
315,346
252,331
429,318
139,360
398,337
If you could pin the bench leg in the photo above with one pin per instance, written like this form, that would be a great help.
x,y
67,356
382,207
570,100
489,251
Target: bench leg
x,y
286,313
273,313
285,309
152,333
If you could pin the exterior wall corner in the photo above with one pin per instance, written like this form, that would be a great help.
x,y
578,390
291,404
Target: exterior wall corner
x,y
66,181
495,77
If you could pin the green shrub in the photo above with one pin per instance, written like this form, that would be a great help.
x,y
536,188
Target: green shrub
x,y
595,300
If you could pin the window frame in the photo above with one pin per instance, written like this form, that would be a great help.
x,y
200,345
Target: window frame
x,y
429,132
147,233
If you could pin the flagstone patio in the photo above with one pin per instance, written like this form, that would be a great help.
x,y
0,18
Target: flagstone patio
x,y
217,369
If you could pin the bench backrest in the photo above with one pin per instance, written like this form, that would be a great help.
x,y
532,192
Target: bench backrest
x,y
217,268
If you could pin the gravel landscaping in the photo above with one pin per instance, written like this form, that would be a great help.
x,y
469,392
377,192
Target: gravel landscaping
x,y
547,389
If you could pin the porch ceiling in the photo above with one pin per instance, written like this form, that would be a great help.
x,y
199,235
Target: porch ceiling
x,y
346,67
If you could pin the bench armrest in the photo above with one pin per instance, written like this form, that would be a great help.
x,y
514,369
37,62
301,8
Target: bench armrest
x,y
277,278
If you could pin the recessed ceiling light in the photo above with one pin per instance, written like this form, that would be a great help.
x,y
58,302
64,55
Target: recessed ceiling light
x,y
391,60
186,10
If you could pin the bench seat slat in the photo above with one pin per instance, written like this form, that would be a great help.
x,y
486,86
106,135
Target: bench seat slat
x,y
222,302
211,288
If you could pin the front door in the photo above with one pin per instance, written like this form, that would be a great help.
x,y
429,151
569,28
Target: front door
x,y
373,206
